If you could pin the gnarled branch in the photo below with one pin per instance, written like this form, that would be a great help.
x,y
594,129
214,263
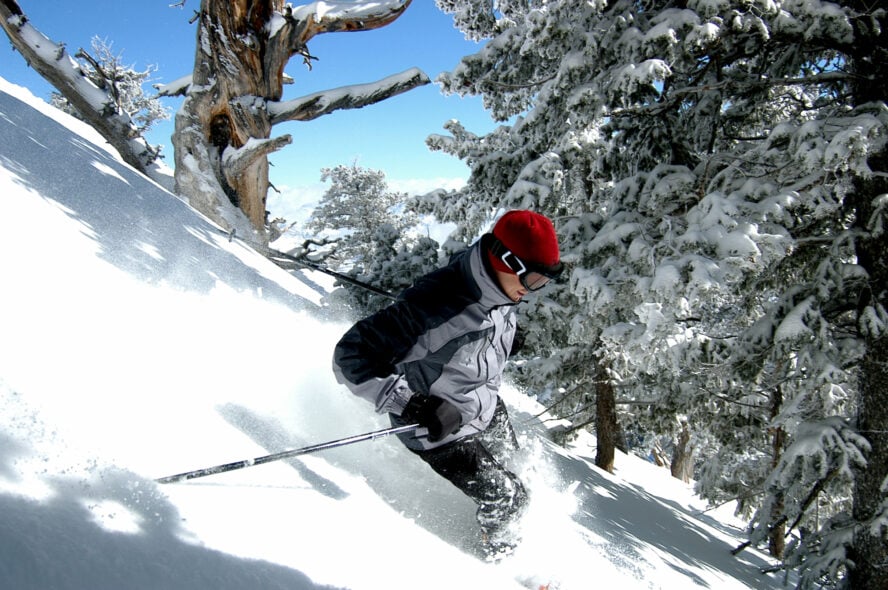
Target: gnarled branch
x,y
236,160
97,106
348,97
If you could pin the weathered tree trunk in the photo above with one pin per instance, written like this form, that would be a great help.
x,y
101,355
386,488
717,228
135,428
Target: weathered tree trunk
x,y
223,129
606,428
870,546
682,466
777,535
227,66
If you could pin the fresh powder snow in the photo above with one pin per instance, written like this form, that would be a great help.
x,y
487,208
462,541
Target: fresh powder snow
x,y
137,340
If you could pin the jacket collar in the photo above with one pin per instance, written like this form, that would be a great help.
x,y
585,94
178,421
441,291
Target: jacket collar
x,y
491,293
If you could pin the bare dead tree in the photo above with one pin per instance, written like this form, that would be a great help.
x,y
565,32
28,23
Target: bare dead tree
x,y
223,130
233,97
98,106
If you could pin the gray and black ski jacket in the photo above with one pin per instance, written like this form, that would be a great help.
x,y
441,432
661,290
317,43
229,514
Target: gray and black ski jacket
x,y
448,335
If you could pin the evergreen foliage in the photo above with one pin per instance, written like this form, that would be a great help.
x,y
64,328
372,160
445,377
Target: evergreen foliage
x,y
374,237
717,173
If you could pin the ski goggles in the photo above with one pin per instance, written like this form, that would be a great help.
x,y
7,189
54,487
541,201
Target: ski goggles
x,y
532,276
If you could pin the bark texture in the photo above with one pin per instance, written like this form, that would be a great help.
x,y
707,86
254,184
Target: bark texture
x,y
606,427
682,465
869,552
223,130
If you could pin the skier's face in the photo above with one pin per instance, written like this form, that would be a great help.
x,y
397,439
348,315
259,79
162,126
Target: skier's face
x,y
511,285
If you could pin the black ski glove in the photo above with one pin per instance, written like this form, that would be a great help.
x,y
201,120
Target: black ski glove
x,y
437,414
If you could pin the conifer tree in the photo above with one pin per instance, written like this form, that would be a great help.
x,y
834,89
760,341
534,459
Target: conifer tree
x,y
373,232
357,203
717,172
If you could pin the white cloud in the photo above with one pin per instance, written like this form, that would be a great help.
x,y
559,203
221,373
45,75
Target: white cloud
x,y
296,203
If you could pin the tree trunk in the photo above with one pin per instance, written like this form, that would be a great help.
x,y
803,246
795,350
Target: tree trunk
x,y
869,551
606,428
222,138
682,466
870,546
227,66
777,535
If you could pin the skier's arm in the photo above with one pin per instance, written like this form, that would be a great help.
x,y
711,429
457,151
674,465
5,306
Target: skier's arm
x,y
364,359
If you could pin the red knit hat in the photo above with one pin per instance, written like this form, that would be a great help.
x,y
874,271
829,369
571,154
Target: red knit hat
x,y
530,236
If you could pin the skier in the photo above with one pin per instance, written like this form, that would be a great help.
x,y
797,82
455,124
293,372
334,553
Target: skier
x,y
436,357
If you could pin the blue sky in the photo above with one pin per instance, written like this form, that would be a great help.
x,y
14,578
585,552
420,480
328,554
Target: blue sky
x,y
389,136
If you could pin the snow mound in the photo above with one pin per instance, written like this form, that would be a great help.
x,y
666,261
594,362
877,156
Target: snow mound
x,y
138,341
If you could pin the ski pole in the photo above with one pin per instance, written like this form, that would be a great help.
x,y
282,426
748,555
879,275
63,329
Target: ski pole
x,y
285,454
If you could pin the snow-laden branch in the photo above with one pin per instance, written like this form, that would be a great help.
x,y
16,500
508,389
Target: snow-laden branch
x,y
675,95
178,87
236,160
97,106
333,17
290,30
355,96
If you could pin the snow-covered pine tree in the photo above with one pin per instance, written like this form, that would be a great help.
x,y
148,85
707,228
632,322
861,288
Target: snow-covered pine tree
x,y
718,173
373,233
394,265
357,203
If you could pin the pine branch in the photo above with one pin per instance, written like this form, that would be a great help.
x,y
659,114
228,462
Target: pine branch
x,y
739,498
812,495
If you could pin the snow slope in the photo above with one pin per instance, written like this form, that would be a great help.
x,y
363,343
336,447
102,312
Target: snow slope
x,y
137,341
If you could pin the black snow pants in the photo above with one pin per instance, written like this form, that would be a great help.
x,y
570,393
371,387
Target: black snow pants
x,y
475,465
